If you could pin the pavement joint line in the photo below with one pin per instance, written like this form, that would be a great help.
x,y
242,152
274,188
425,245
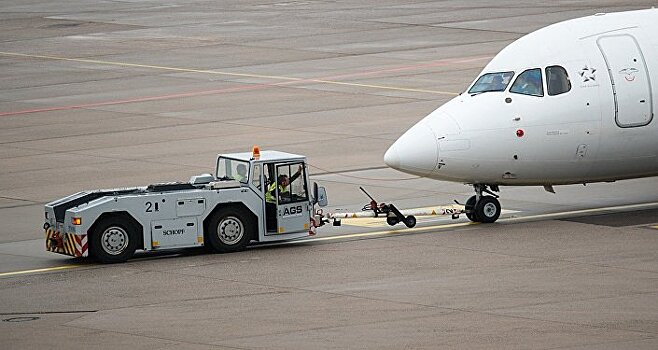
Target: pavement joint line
x,y
48,312
171,339
449,309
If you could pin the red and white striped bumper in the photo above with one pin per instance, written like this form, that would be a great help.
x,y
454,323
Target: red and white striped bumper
x,y
66,243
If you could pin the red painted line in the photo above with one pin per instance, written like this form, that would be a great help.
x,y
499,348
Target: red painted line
x,y
445,62
141,99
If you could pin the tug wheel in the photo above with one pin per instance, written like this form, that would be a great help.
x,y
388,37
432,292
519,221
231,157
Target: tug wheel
x,y
113,240
229,230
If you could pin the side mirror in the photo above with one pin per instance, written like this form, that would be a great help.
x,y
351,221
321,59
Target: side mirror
x,y
319,195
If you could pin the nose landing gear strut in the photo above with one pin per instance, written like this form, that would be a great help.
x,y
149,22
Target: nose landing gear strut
x,y
481,208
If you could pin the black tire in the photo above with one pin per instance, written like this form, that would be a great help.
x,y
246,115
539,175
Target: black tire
x,y
470,209
230,230
410,221
114,240
392,220
487,209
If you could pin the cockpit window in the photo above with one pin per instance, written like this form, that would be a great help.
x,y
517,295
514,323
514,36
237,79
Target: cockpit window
x,y
491,82
557,80
528,83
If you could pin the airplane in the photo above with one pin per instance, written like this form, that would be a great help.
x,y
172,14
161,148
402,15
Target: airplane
x,y
570,103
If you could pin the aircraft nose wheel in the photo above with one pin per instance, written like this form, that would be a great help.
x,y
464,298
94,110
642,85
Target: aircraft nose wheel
x,y
470,208
486,210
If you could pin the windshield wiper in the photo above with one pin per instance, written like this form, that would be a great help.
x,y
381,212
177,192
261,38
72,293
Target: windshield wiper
x,y
483,91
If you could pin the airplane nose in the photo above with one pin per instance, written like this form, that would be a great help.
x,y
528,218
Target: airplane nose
x,y
391,157
415,152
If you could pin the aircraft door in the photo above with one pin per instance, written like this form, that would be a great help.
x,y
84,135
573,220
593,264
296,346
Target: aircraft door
x,y
630,80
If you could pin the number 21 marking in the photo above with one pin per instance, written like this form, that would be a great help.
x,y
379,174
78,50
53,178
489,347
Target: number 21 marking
x,y
152,206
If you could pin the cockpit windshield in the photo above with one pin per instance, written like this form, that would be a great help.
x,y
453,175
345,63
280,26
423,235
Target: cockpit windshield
x,y
529,83
491,82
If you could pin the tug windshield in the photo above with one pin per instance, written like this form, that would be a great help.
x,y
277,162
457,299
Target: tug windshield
x,y
231,169
491,82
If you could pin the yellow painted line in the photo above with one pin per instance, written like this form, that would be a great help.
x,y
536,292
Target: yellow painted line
x,y
463,224
47,269
388,232
383,87
364,222
370,222
656,227
136,65
216,72
583,211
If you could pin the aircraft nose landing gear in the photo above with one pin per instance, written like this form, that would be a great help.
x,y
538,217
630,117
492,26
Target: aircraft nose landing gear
x,y
484,209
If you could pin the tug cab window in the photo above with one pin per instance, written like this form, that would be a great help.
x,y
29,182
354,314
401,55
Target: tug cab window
x,y
255,179
293,189
529,83
557,80
491,82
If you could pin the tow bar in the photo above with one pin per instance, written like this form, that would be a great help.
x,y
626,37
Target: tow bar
x,y
373,209
393,215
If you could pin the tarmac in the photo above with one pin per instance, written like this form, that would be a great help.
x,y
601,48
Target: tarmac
x,y
104,94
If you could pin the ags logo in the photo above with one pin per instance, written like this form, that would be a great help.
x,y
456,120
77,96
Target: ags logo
x,y
292,211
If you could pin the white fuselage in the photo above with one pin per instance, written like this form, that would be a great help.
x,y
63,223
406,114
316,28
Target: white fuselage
x,y
598,125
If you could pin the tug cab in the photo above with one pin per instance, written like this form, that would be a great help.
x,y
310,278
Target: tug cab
x,y
288,211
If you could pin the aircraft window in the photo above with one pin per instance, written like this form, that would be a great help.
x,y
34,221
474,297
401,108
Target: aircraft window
x,y
528,83
491,82
557,80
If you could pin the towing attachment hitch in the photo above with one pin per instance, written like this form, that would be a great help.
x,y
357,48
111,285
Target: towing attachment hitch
x,y
393,215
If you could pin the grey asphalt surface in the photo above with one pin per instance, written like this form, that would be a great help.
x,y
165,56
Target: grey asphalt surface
x,y
102,94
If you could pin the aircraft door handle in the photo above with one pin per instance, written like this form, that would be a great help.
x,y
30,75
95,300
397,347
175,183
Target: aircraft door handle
x,y
643,101
516,119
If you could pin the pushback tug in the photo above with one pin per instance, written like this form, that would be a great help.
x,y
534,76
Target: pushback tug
x,y
225,210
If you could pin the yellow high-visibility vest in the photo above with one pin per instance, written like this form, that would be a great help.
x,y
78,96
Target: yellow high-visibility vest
x,y
269,195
